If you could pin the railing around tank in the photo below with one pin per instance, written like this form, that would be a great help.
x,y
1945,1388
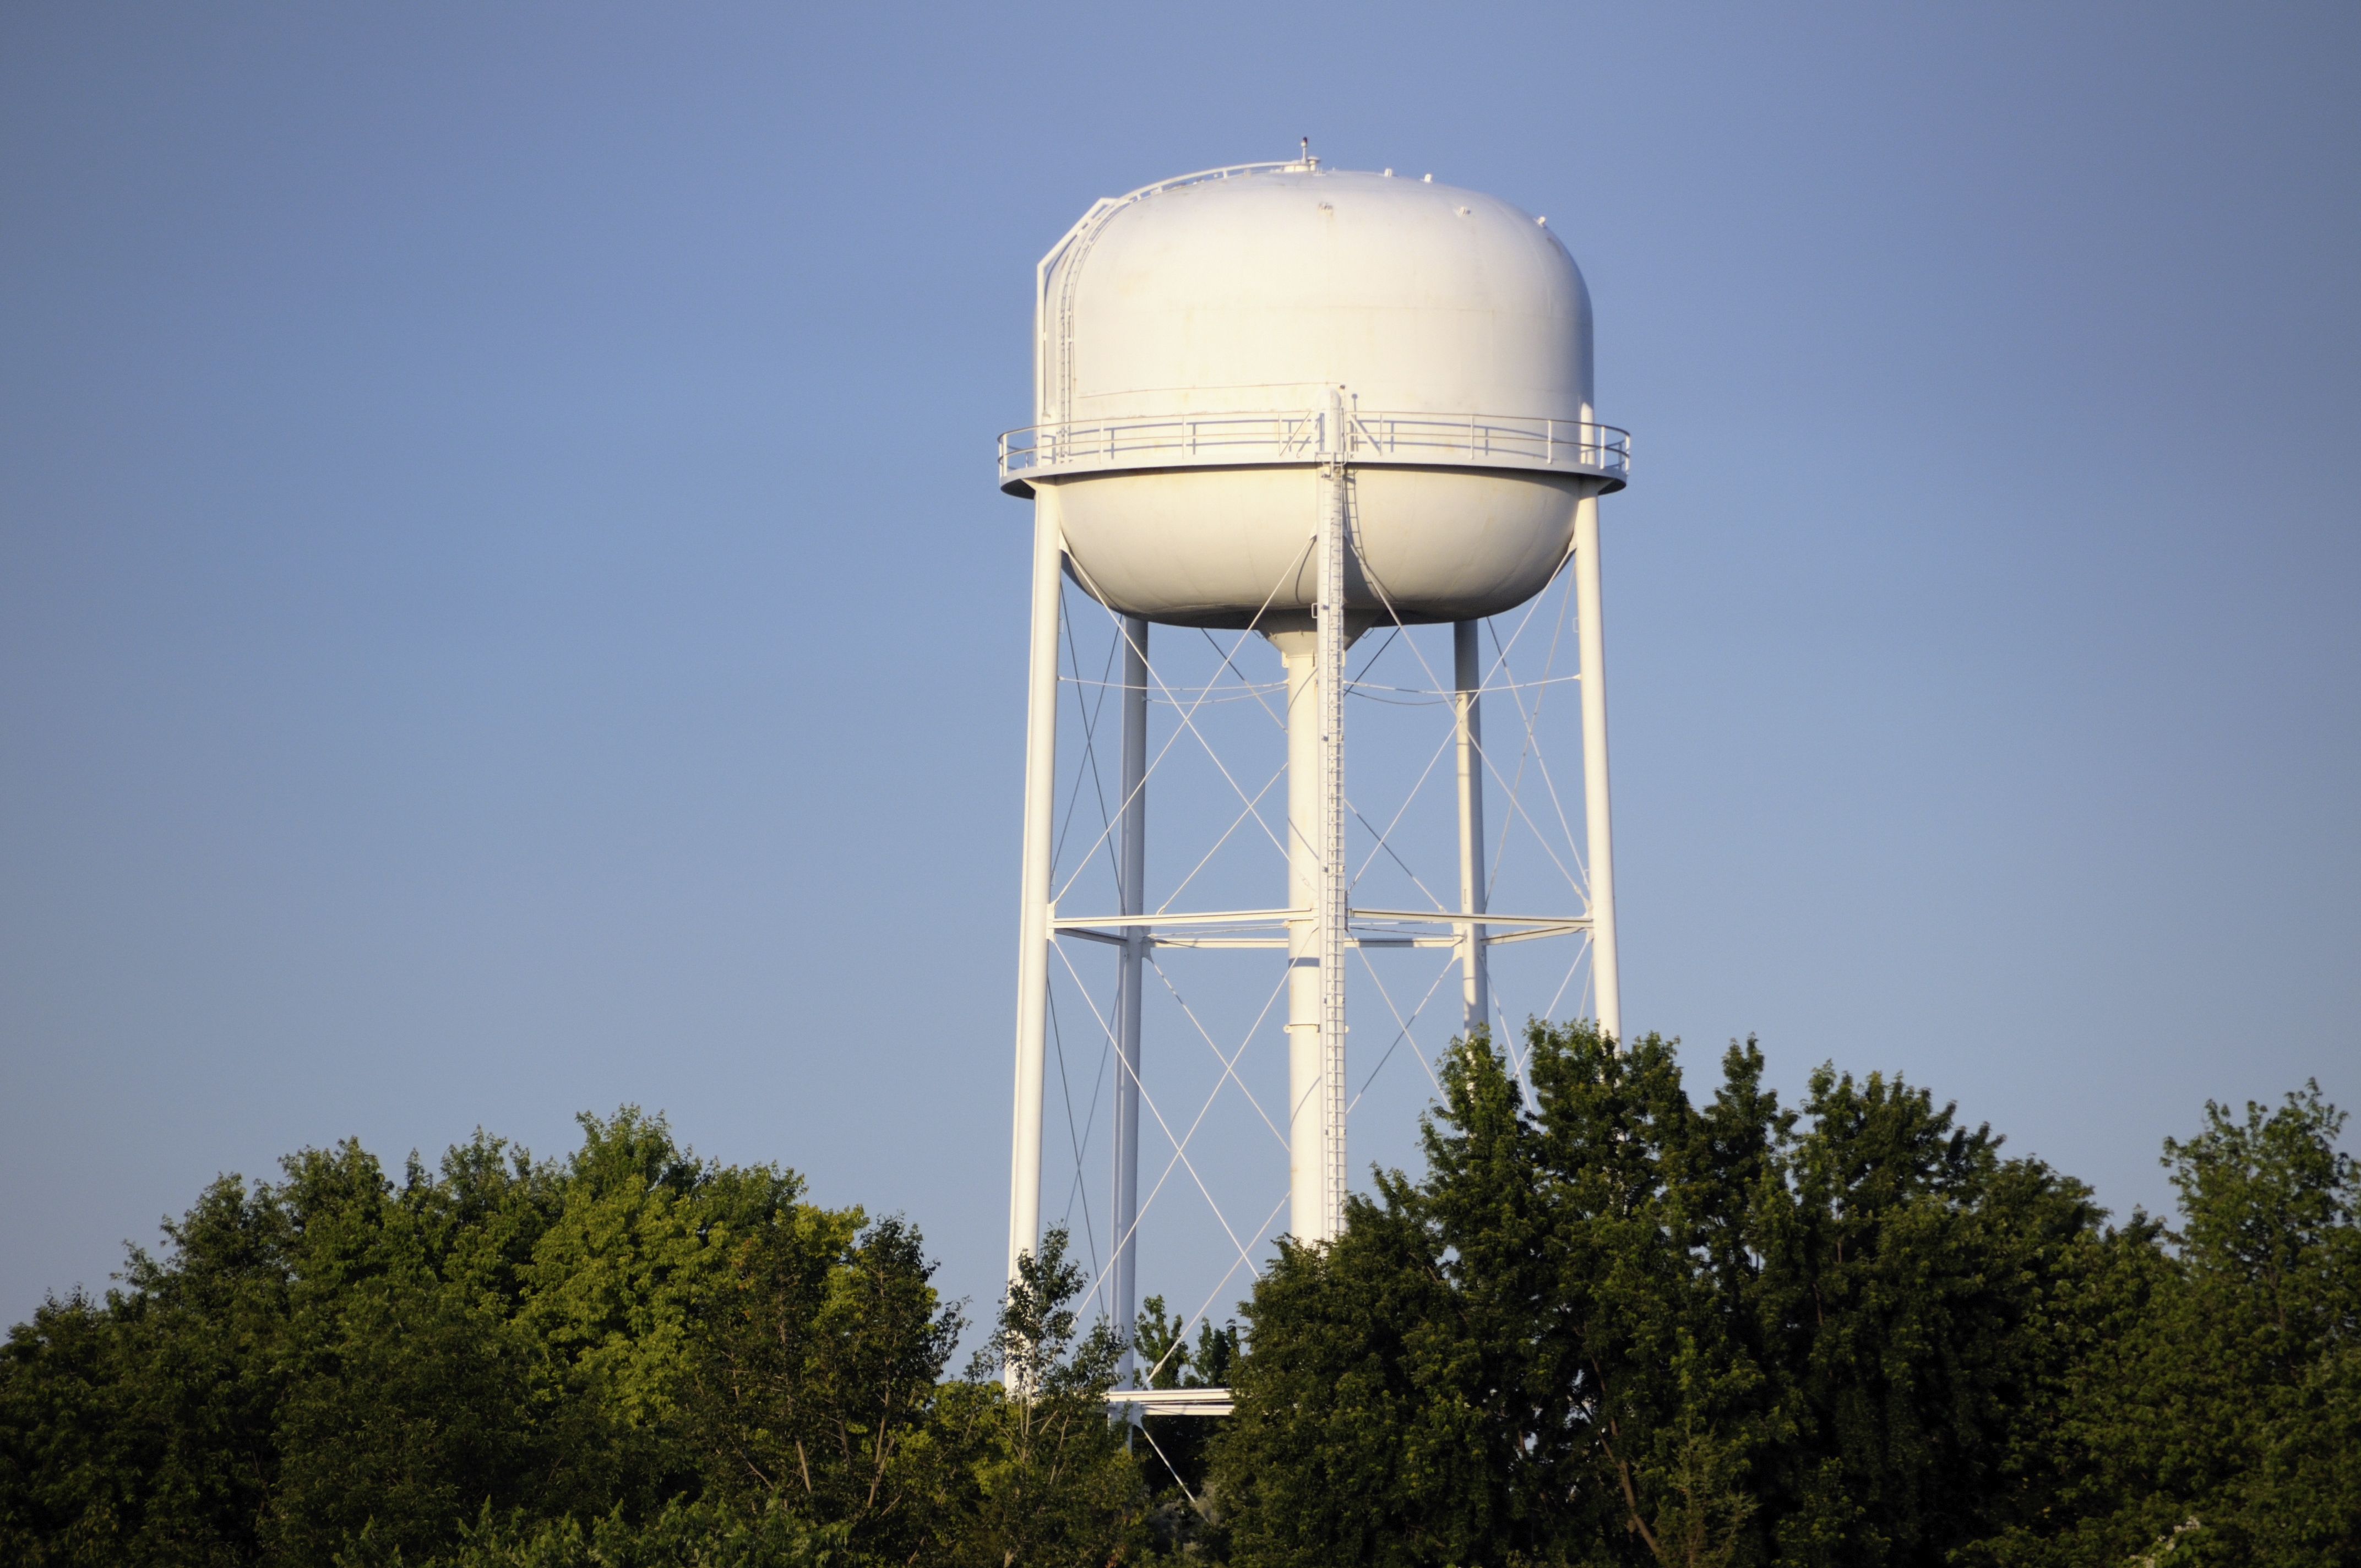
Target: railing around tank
x,y
1482,441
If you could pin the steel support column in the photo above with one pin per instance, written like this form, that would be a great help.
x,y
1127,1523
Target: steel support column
x,y
1033,902
1318,884
1605,985
1467,677
1133,896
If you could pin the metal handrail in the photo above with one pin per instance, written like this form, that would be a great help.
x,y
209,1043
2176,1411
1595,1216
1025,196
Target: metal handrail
x,y
1085,233
1479,441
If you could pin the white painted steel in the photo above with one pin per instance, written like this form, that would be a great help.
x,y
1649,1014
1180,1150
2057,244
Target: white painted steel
x,y
1133,894
1086,924
1172,1401
1033,900
1606,991
1383,439
1451,917
1053,319
1206,546
1076,923
1265,289
1335,874
1307,401
1318,879
1306,1172
1468,713
1191,341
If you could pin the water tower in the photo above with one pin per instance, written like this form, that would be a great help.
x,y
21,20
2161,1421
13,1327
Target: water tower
x,y
1301,402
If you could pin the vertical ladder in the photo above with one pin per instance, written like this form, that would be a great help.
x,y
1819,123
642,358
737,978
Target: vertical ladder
x,y
1335,889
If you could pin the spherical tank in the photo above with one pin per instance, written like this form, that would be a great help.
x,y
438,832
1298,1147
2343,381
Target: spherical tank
x,y
1205,347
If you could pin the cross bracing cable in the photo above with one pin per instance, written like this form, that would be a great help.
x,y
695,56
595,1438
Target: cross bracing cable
x,y
1180,1146
1186,714
1089,1230
1402,1025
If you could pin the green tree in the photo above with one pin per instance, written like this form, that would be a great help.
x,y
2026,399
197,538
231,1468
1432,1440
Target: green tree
x,y
2272,1305
334,1360
817,1383
1614,1325
641,1246
1046,1480
1611,1323
407,1396
1186,1513
1928,1298
2219,1419
142,1429
702,1534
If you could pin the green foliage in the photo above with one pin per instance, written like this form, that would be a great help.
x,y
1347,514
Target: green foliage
x,y
644,1239
1919,1297
1048,1483
817,1379
680,1535
2269,1330
632,1358
335,1359
2219,1421
1186,1516
1615,1325
141,1430
1611,1323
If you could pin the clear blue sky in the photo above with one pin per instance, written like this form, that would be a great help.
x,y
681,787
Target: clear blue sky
x,y
504,609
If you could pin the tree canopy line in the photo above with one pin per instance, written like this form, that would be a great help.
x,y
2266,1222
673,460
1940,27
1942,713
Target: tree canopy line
x,y
1614,1321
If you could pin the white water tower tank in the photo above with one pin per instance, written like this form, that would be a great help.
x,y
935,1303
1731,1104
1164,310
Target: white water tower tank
x,y
1306,403
1194,335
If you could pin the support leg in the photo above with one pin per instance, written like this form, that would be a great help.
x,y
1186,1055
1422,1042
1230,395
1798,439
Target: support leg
x,y
1467,669
1033,902
1134,895
1603,977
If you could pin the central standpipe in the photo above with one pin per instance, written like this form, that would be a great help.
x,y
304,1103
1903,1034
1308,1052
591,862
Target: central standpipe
x,y
1305,1180
1318,880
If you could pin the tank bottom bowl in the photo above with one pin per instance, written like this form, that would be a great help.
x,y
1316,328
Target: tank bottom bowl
x,y
1232,547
